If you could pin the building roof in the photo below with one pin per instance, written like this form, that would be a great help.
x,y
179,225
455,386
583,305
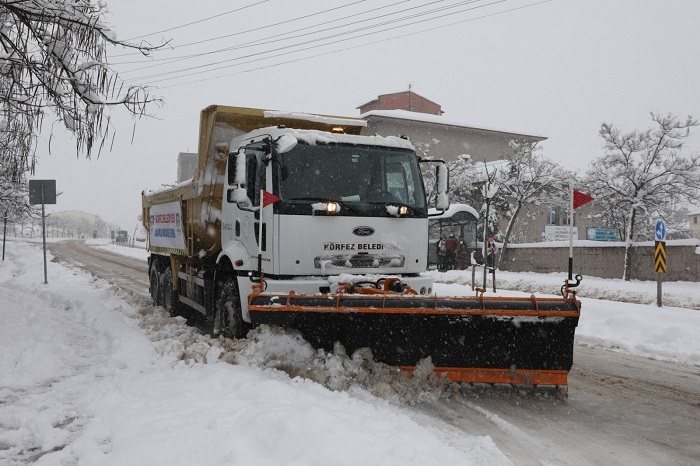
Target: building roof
x,y
439,120
397,93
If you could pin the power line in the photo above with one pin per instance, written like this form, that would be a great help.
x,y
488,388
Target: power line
x,y
260,41
198,21
338,50
326,38
266,41
341,34
252,30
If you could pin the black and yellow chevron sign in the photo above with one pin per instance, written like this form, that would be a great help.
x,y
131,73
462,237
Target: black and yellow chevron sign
x,y
660,257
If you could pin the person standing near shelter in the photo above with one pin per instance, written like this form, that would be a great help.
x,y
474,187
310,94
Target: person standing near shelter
x,y
462,254
490,252
451,250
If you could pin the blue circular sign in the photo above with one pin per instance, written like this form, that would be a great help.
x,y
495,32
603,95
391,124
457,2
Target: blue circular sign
x,y
660,230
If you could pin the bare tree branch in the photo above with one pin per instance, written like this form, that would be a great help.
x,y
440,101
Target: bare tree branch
x,y
53,58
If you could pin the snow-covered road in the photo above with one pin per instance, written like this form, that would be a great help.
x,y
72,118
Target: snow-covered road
x,y
134,385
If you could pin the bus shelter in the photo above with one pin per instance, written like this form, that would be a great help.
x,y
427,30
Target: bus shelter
x,y
452,237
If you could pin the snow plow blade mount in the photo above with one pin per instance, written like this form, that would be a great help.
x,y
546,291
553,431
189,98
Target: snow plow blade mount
x,y
492,340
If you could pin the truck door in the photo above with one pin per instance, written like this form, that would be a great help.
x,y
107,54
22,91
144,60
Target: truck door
x,y
242,212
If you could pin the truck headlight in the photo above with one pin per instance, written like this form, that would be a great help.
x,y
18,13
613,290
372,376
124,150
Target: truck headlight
x,y
332,207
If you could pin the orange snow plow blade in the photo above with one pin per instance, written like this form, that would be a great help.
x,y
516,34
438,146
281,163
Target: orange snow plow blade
x,y
491,340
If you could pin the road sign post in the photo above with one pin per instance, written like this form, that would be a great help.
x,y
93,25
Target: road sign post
x,y
43,192
659,257
4,235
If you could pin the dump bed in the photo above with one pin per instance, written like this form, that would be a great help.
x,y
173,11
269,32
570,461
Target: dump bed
x,y
200,197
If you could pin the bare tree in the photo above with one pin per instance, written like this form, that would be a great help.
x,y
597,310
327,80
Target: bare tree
x,y
644,174
53,57
528,179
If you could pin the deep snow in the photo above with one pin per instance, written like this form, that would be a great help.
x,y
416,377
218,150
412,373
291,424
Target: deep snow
x,y
91,375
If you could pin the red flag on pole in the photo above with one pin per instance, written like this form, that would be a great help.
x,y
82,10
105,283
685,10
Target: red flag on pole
x,y
268,198
581,198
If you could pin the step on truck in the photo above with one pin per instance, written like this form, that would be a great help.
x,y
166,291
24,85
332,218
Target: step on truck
x,y
303,221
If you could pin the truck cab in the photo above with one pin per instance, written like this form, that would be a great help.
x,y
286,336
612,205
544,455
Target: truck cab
x,y
344,204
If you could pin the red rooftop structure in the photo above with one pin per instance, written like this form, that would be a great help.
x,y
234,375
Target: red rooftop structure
x,y
407,100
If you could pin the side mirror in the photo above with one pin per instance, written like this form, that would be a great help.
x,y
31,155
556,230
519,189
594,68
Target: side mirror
x,y
442,182
237,177
285,143
221,150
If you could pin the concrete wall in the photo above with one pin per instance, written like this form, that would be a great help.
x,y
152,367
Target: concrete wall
x,y
682,261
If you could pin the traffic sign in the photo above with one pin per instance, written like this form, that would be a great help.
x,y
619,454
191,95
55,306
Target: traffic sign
x,y
42,192
660,257
660,230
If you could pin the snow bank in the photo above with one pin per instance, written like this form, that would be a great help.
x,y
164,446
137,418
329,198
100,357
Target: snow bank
x,y
95,376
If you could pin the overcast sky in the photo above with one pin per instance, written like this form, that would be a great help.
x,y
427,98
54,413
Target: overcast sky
x,y
558,68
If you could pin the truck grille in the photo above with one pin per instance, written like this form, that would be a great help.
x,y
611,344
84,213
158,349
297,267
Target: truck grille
x,y
360,261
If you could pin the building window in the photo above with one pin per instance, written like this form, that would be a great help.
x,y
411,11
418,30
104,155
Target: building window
x,y
553,218
695,220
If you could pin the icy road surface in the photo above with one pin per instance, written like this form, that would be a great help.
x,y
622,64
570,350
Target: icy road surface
x,y
622,408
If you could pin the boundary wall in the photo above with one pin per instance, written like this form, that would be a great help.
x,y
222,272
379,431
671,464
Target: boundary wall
x,y
606,260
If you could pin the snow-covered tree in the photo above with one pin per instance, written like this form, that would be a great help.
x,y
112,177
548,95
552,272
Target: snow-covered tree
x,y
464,179
484,191
53,58
644,174
14,197
528,179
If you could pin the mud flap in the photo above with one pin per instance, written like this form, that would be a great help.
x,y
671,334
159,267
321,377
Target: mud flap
x,y
525,341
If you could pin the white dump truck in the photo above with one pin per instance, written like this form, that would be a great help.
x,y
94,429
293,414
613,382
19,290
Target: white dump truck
x,y
302,221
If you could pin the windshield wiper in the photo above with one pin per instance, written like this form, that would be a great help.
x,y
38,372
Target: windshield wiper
x,y
349,206
318,199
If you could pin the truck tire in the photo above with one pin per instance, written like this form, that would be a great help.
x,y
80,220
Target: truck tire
x,y
154,277
171,302
228,320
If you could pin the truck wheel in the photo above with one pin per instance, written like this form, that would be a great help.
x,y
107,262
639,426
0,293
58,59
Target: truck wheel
x,y
228,320
154,278
171,302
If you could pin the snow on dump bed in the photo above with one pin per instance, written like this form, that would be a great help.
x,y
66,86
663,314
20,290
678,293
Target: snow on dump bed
x,y
91,375
313,137
329,120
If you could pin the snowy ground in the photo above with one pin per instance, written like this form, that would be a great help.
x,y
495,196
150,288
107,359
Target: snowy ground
x,y
91,375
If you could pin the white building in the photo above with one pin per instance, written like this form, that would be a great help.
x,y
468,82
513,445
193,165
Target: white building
x,y
694,221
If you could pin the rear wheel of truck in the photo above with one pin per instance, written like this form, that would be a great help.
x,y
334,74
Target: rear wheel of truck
x,y
228,320
154,279
171,302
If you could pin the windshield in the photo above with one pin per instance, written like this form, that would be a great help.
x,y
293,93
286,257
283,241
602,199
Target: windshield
x,y
350,174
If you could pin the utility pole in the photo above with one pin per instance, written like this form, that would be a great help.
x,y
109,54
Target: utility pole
x,y
488,192
4,234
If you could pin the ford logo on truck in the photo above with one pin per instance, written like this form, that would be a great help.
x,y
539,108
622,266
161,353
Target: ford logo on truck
x,y
363,231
